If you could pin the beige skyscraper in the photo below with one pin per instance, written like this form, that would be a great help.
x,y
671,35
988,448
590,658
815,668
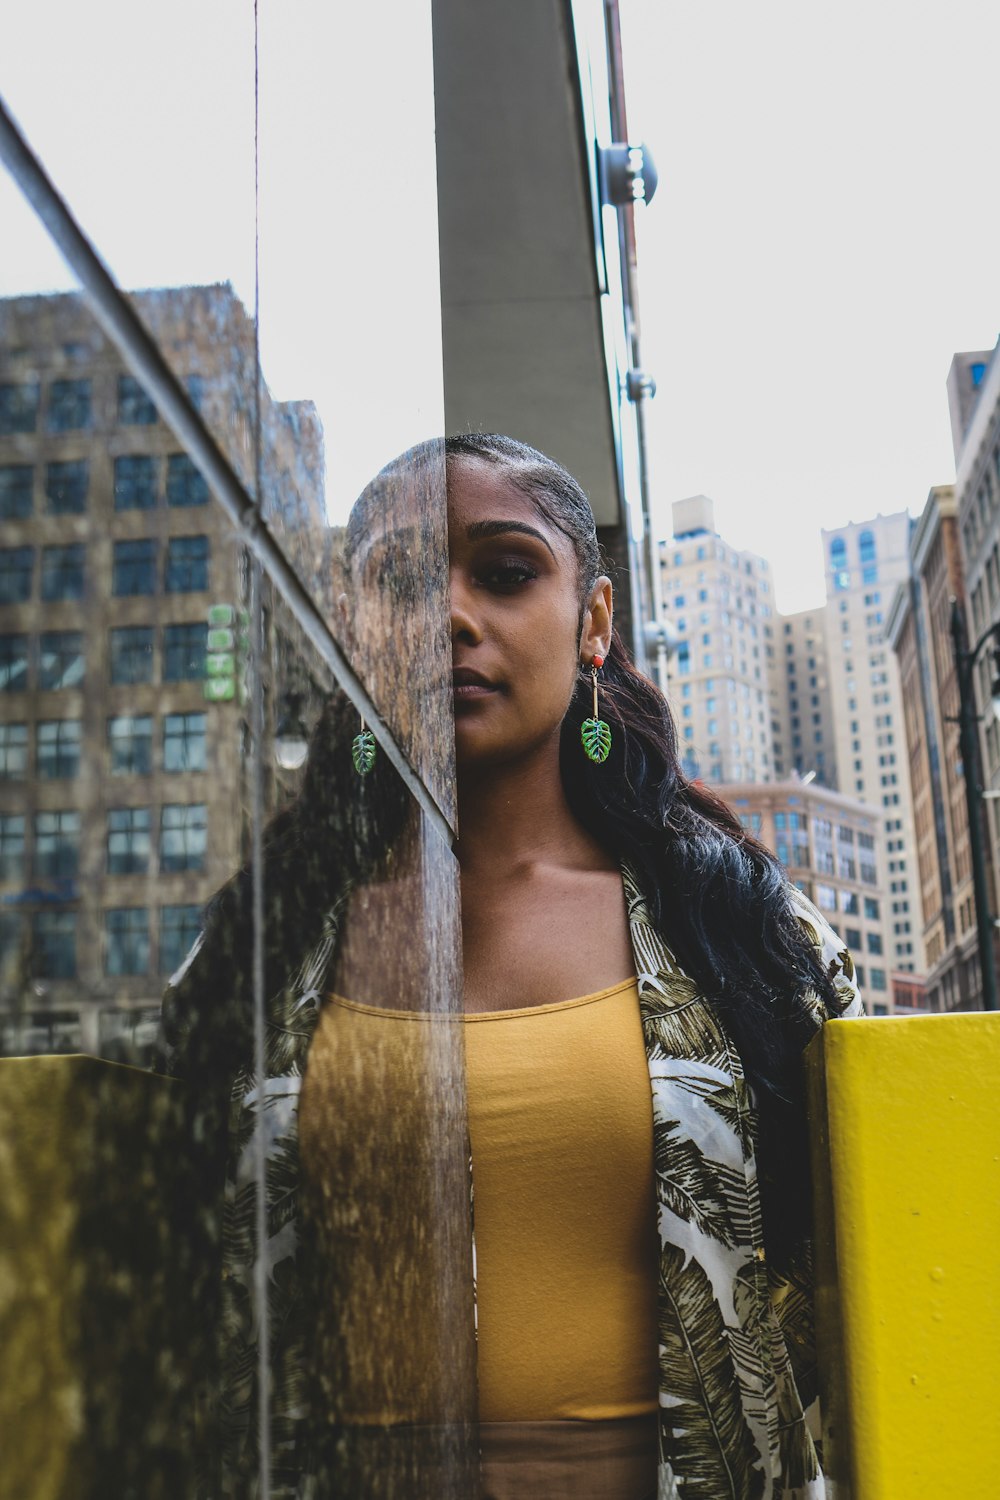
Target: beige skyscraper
x,y
721,602
865,561
804,739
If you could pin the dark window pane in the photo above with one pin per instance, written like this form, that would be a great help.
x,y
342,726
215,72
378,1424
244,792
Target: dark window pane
x,y
60,660
184,742
132,654
62,572
187,565
183,834
135,408
16,564
184,649
13,750
185,486
66,487
126,941
19,407
130,744
135,482
54,935
11,846
58,748
16,482
57,844
13,663
69,405
179,926
134,567
128,840
195,385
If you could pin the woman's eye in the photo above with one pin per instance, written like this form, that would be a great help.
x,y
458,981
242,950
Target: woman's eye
x,y
507,576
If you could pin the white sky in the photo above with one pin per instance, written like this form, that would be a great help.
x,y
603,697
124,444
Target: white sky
x,y
823,239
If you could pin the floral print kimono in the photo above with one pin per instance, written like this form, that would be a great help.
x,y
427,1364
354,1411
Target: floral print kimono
x,y
737,1363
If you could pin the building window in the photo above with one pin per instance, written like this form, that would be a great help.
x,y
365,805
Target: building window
x,y
16,566
876,979
187,565
57,844
69,405
62,572
132,654
826,898
66,487
16,485
184,649
134,567
179,927
135,408
60,660
128,840
126,937
130,745
54,935
13,751
184,742
185,486
58,749
13,663
871,909
183,835
874,942
19,407
11,846
866,547
135,482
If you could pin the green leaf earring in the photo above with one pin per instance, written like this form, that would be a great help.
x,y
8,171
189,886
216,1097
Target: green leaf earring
x,y
595,734
363,750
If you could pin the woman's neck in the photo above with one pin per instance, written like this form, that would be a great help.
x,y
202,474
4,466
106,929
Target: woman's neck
x,y
516,815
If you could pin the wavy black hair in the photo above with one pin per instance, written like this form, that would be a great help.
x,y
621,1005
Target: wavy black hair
x,y
718,896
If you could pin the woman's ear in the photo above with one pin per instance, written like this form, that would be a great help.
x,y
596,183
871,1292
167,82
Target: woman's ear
x,y
595,637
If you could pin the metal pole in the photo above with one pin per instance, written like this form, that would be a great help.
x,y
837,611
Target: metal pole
x,y
965,662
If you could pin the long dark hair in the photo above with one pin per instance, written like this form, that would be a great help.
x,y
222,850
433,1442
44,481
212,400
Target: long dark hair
x,y
719,897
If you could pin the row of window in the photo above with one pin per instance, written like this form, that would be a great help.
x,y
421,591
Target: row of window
x,y
139,481
127,940
58,745
61,660
826,900
133,569
183,832
68,405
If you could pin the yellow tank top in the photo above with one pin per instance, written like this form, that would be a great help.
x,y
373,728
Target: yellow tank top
x,y
560,1120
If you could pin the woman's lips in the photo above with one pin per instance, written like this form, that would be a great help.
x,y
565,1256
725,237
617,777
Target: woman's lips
x,y
467,686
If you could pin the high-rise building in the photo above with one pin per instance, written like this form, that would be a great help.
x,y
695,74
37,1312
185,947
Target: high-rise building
x,y
721,602
123,803
833,847
919,631
865,562
804,740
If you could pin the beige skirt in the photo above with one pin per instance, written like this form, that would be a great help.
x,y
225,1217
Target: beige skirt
x,y
614,1460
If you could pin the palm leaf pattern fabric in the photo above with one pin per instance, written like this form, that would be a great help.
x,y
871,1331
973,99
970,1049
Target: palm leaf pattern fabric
x,y
736,1358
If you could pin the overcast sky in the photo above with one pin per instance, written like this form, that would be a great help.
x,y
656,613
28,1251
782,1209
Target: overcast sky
x,y
823,239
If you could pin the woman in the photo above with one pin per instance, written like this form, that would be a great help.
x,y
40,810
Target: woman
x,y
640,982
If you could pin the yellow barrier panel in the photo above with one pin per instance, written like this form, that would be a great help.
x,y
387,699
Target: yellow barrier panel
x,y
95,1365
905,1118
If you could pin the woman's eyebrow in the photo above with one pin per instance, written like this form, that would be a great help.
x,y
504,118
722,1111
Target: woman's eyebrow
x,y
480,529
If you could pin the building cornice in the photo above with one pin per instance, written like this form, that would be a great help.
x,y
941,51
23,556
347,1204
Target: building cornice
x,y
898,611
941,504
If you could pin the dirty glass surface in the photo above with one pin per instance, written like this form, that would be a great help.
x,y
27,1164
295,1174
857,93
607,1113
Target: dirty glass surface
x,y
215,1278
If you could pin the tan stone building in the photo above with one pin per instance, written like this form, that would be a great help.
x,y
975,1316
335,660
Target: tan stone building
x,y
919,631
721,602
804,740
833,847
865,563
122,798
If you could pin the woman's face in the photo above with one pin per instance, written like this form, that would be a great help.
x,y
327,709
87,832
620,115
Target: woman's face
x,y
517,643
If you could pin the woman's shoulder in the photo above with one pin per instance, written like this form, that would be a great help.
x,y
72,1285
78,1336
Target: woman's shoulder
x,y
833,952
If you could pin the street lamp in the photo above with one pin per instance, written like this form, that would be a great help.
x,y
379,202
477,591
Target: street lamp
x,y
965,665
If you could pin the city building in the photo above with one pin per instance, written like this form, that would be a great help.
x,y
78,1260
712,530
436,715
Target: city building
x,y
721,603
865,562
804,740
919,631
123,795
974,399
833,847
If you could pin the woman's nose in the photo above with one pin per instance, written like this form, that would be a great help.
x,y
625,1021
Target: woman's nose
x,y
464,624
